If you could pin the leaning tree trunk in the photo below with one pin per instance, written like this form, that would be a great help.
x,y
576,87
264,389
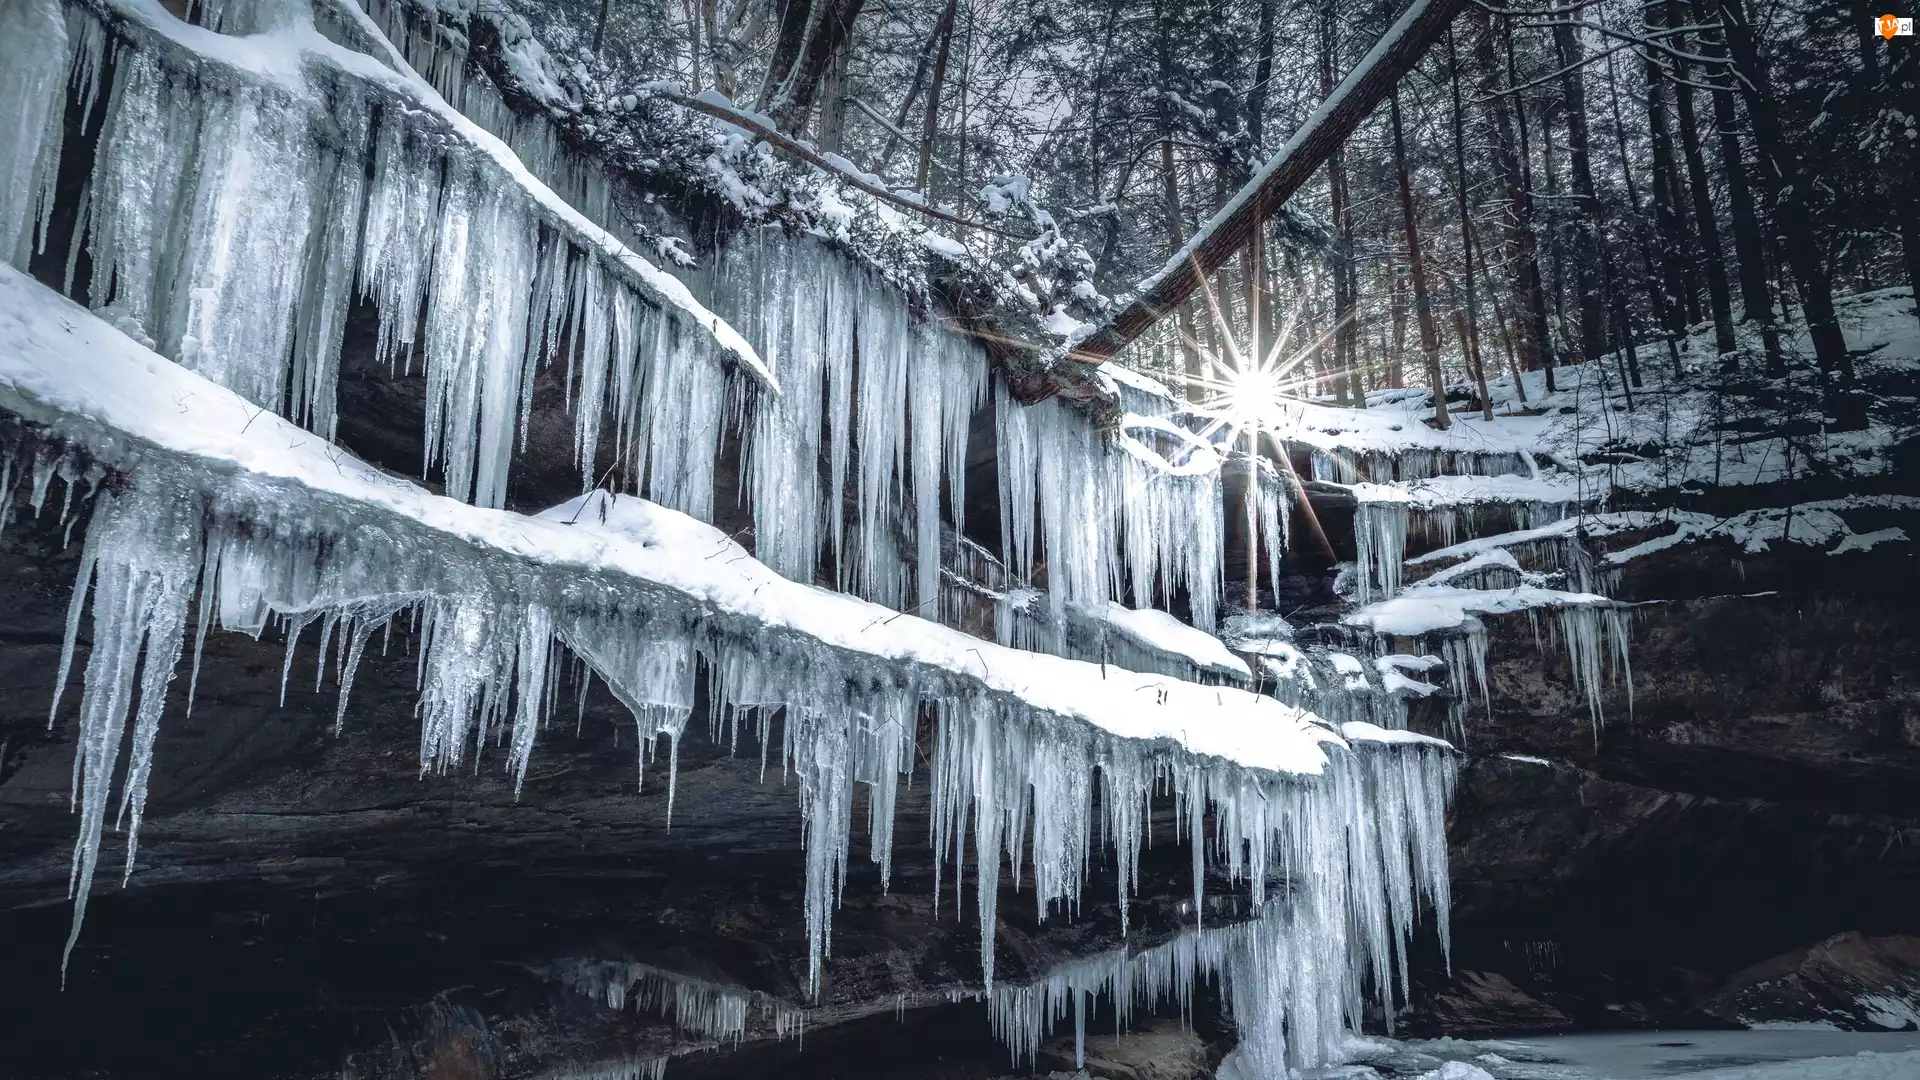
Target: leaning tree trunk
x,y
1325,130
1417,270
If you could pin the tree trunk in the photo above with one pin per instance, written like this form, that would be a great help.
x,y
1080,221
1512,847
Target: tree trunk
x,y
1534,295
1586,237
1396,376
831,30
1343,278
1556,234
1671,229
1706,227
1785,180
930,120
1170,207
796,19
1470,348
913,94
1506,331
1262,76
1470,330
1756,305
1655,275
1523,269
1416,269
833,103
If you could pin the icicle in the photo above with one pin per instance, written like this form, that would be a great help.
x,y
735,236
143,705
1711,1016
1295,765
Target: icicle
x,y
885,340
784,469
33,80
402,208
327,280
531,701
144,559
927,441
1591,631
484,262
1380,547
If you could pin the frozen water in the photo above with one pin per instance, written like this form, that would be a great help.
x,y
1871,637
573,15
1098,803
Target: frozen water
x,y
1106,521
228,222
697,1007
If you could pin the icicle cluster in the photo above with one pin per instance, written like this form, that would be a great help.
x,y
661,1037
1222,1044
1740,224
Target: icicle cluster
x,y
1415,463
702,1009
1593,633
1383,527
235,211
1363,849
1108,523
251,550
875,403
654,1068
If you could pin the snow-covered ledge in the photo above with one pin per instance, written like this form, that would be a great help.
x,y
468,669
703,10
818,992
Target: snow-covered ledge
x,y
260,518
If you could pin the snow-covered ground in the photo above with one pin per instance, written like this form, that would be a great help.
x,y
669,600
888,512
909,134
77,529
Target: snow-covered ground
x,y
1642,1055
1683,419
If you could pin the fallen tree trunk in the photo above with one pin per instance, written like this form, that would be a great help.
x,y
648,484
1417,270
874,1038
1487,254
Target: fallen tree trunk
x,y
1233,225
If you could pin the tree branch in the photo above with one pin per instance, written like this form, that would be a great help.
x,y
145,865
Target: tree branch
x,y
760,128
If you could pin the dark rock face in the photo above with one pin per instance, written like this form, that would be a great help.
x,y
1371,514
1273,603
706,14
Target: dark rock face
x,y
1763,793
1850,981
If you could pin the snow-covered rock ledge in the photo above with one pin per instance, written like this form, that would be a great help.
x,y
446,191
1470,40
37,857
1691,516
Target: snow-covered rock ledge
x,y
260,519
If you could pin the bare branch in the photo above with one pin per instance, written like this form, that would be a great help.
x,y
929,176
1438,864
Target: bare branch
x,y
808,153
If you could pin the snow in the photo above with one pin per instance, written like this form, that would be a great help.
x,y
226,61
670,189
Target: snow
x,y
1771,1054
1158,630
248,504
1870,540
941,244
1427,609
1449,491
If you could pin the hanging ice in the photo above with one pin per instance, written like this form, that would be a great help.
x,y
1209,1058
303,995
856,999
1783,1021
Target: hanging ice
x,y
227,220
1107,519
